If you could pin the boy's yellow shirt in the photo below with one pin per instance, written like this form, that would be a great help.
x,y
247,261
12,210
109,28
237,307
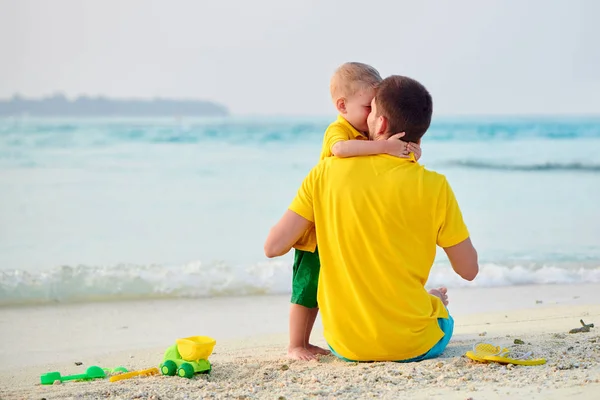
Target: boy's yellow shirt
x,y
378,219
337,131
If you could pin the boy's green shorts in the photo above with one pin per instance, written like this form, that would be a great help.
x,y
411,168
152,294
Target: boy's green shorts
x,y
305,278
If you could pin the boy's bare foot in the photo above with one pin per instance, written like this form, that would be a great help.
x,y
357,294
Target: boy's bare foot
x,y
442,293
317,350
307,353
301,353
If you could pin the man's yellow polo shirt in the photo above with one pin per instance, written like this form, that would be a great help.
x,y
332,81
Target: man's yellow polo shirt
x,y
337,131
378,220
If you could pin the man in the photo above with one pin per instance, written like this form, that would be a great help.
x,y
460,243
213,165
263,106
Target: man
x,y
378,220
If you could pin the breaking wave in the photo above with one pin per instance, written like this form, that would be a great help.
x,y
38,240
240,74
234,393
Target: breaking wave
x,y
66,284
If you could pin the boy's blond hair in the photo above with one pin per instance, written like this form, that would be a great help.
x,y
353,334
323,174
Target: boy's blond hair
x,y
351,77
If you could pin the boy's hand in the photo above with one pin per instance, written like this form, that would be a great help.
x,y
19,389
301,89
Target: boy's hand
x,y
396,147
399,148
416,149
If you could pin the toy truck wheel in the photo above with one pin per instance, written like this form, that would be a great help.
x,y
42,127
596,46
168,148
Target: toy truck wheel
x,y
168,368
186,371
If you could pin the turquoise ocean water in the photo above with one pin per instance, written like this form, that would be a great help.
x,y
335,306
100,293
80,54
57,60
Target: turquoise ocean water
x,y
96,209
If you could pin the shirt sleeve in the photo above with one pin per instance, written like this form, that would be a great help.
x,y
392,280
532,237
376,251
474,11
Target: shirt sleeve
x,y
452,229
334,133
303,202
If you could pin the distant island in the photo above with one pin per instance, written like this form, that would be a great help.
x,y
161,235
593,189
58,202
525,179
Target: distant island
x,y
59,105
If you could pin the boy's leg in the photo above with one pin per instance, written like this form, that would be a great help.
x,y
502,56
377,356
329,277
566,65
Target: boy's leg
x,y
304,310
301,321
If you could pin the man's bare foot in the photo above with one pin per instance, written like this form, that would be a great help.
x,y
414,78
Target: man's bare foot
x,y
442,293
301,353
317,350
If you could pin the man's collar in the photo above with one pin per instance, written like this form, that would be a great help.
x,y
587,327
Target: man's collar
x,y
411,158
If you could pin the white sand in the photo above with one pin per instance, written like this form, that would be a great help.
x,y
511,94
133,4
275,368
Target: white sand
x,y
249,359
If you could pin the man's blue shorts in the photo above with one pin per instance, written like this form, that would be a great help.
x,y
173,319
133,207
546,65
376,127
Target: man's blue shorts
x,y
446,325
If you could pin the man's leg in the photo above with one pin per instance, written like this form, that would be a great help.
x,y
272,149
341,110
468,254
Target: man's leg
x,y
446,325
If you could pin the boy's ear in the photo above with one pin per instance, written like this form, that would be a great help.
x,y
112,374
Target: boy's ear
x,y
340,104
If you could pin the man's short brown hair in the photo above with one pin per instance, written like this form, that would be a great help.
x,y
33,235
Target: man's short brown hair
x,y
406,104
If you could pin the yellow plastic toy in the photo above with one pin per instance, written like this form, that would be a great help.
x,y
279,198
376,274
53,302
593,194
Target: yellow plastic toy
x,y
487,352
128,375
188,356
196,347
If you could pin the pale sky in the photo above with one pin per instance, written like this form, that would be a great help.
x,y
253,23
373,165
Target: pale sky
x,y
275,57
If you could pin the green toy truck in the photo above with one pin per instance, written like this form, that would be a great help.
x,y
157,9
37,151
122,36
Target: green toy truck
x,y
188,356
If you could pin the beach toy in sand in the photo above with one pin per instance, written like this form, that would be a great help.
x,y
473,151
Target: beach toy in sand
x,y
487,352
188,356
128,375
116,370
92,372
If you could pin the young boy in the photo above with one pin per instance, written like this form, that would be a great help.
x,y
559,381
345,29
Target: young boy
x,y
352,88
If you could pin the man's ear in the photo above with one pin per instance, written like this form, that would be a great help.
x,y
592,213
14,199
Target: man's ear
x,y
340,104
383,125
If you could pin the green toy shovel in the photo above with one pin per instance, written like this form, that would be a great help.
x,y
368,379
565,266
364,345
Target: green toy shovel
x,y
92,372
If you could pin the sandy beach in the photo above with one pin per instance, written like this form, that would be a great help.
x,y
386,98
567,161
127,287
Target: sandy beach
x,y
249,360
